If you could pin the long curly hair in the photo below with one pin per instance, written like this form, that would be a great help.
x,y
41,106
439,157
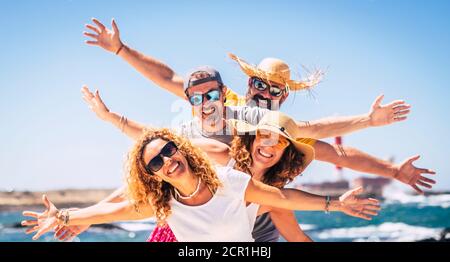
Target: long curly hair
x,y
283,172
146,188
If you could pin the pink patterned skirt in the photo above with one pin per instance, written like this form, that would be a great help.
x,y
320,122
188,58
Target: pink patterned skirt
x,y
162,234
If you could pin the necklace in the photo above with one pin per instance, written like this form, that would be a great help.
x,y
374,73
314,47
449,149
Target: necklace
x,y
191,195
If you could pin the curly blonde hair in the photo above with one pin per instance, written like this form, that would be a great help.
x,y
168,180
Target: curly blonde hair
x,y
146,188
283,172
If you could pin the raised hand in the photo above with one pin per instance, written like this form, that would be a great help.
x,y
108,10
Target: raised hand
x,y
104,37
407,173
352,205
95,103
43,222
381,115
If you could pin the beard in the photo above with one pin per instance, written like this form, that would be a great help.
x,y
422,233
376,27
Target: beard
x,y
260,101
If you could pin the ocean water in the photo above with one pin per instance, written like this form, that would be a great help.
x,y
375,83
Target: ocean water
x,y
403,218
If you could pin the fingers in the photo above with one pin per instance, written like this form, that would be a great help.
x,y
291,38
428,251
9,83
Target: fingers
x,y
399,119
359,214
97,95
27,223
401,113
30,214
372,207
378,100
93,28
369,212
31,230
427,171
91,42
99,24
427,180
86,92
91,35
41,231
396,103
114,26
370,201
401,107
46,201
413,158
424,184
418,190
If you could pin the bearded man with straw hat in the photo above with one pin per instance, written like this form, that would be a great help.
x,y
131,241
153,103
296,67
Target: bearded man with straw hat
x,y
269,83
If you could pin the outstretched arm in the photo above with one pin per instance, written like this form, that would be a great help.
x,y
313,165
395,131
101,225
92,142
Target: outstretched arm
x,y
357,160
97,214
216,151
131,128
285,221
67,233
379,115
154,70
294,199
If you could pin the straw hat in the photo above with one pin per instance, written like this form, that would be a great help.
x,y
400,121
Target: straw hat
x,y
276,70
281,124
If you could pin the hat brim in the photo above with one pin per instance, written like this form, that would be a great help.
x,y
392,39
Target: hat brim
x,y
253,71
242,127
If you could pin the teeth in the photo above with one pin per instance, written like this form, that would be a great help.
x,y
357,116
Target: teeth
x,y
209,111
174,167
264,154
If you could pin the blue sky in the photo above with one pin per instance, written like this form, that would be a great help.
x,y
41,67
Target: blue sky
x,y
50,139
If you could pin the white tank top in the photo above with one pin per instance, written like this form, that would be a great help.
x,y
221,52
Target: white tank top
x,y
224,218
252,209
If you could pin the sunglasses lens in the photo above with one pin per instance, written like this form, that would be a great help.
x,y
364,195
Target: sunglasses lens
x,y
259,85
169,149
155,164
275,91
213,95
196,99
272,139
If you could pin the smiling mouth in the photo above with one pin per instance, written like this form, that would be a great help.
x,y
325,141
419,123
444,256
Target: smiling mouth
x,y
173,167
209,111
262,101
264,154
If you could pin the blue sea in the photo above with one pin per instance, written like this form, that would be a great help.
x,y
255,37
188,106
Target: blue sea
x,y
403,218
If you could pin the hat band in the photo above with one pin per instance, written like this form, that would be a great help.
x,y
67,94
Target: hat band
x,y
282,129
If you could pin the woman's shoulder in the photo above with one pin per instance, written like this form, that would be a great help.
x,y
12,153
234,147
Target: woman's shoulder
x,y
231,176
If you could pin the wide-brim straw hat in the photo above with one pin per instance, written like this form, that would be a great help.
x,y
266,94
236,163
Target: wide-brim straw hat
x,y
281,124
276,70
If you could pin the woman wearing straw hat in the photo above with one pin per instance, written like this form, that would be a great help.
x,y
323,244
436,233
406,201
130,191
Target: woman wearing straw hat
x,y
168,178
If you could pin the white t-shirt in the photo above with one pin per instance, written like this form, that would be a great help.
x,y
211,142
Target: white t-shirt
x,y
224,218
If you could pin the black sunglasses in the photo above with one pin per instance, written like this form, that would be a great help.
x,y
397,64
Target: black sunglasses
x,y
156,163
260,85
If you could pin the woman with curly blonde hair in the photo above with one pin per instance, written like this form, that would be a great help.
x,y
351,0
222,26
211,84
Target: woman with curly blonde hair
x,y
172,180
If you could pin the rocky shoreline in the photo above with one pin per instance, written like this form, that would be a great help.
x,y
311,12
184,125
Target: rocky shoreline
x,y
20,200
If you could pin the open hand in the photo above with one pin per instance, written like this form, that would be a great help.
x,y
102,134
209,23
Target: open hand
x,y
381,115
104,37
42,222
409,174
95,103
352,205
